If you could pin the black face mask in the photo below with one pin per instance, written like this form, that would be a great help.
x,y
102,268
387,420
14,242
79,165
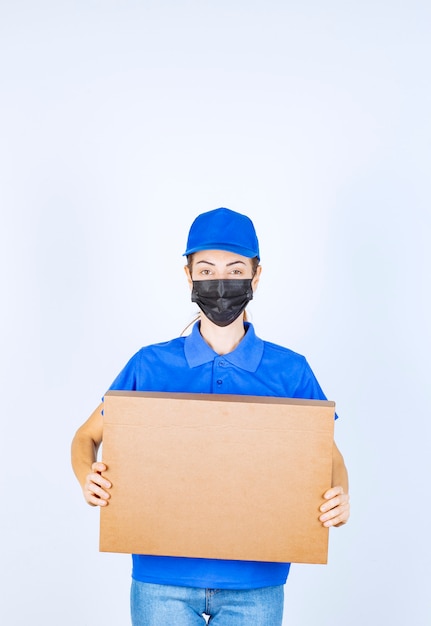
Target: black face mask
x,y
222,301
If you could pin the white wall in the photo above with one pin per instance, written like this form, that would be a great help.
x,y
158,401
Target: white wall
x,y
120,122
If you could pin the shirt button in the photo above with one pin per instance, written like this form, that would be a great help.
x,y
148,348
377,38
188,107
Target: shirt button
x,y
219,382
222,363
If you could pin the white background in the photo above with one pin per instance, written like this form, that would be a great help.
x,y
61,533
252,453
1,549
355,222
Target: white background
x,y
120,122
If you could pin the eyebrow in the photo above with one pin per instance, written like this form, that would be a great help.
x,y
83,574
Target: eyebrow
x,y
227,264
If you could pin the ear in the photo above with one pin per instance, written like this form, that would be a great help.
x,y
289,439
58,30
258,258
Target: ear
x,y
256,278
189,278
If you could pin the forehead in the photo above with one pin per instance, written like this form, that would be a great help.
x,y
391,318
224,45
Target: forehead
x,y
219,257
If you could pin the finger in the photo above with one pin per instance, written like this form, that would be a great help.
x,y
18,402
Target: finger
x,y
337,515
333,492
333,502
97,466
95,501
95,495
99,480
98,492
342,500
338,520
95,487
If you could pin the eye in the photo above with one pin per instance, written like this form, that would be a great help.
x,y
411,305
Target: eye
x,y
205,272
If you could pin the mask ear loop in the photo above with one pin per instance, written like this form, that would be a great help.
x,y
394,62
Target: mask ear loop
x,y
194,320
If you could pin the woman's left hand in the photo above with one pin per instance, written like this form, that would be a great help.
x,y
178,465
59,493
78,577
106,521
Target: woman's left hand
x,y
336,509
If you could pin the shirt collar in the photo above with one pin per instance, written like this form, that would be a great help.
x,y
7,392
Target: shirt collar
x,y
247,355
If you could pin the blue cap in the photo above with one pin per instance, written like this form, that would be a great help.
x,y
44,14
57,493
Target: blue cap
x,y
223,229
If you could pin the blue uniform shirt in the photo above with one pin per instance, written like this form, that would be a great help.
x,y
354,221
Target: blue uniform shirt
x,y
188,364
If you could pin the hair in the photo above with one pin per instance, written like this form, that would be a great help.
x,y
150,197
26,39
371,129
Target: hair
x,y
254,265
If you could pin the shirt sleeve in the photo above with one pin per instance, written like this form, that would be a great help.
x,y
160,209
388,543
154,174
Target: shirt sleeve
x,y
308,386
127,378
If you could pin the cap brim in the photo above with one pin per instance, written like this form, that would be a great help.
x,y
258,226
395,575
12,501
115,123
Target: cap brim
x,y
247,252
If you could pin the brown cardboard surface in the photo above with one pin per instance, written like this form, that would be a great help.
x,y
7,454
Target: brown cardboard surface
x,y
228,477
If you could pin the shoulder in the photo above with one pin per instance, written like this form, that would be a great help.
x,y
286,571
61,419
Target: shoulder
x,y
293,370
161,350
152,354
150,365
282,354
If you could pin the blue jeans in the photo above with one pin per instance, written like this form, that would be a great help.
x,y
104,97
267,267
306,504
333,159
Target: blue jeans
x,y
163,605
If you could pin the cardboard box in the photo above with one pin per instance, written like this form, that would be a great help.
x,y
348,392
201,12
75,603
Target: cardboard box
x,y
225,477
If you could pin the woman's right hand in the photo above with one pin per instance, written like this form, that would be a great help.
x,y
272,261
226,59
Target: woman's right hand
x,y
95,487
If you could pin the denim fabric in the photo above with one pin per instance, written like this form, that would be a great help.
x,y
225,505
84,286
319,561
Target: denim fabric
x,y
160,605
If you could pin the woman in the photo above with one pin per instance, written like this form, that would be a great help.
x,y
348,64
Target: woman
x,y
221,355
